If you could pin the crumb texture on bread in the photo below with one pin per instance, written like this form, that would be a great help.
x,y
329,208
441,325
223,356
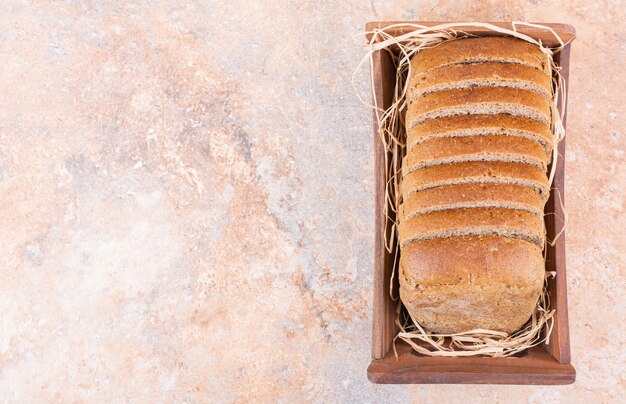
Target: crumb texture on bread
x,y
447,223
447,150
478,101
480,75
471,195
475,172
474,125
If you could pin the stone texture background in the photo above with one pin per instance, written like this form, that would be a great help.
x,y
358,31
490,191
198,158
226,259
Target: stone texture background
x,y
186,201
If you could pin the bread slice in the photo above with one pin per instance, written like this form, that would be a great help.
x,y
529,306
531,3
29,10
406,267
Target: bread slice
x,y
474,221
476,172
478,50
480,75
457,284
479,100
447,150
472,125
471,196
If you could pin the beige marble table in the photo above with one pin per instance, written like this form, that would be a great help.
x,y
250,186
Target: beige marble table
x,y
186,201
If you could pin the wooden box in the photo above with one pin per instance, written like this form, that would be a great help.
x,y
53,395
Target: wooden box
x,y
544,364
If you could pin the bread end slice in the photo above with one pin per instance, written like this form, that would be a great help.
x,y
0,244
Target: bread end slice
x,y
452,285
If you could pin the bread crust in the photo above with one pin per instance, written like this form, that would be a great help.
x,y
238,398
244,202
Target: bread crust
x,y
462,283
472,125
467,195
447,223
475,148
480,74
473,50
476,172
480,100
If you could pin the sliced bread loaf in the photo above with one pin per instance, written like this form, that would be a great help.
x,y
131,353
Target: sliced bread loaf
x,y
445,150
480,75
473,221
472,125
474,182
476,172
477,50
462,283
471,196
479,100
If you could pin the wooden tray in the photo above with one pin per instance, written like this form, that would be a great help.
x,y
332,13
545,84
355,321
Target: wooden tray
x,y
544,364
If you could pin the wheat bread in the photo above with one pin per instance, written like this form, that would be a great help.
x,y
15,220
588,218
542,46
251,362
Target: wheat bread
x,y
478,50
473,125
479,100
471,196
472,221
461,76
492,172
446,150
474,183
458,284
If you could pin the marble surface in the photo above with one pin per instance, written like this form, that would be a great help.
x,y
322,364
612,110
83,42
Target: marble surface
x,y
186,201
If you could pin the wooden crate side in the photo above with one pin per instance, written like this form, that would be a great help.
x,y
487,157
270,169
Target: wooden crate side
x,y
383,326
565,31
538,367
555,257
